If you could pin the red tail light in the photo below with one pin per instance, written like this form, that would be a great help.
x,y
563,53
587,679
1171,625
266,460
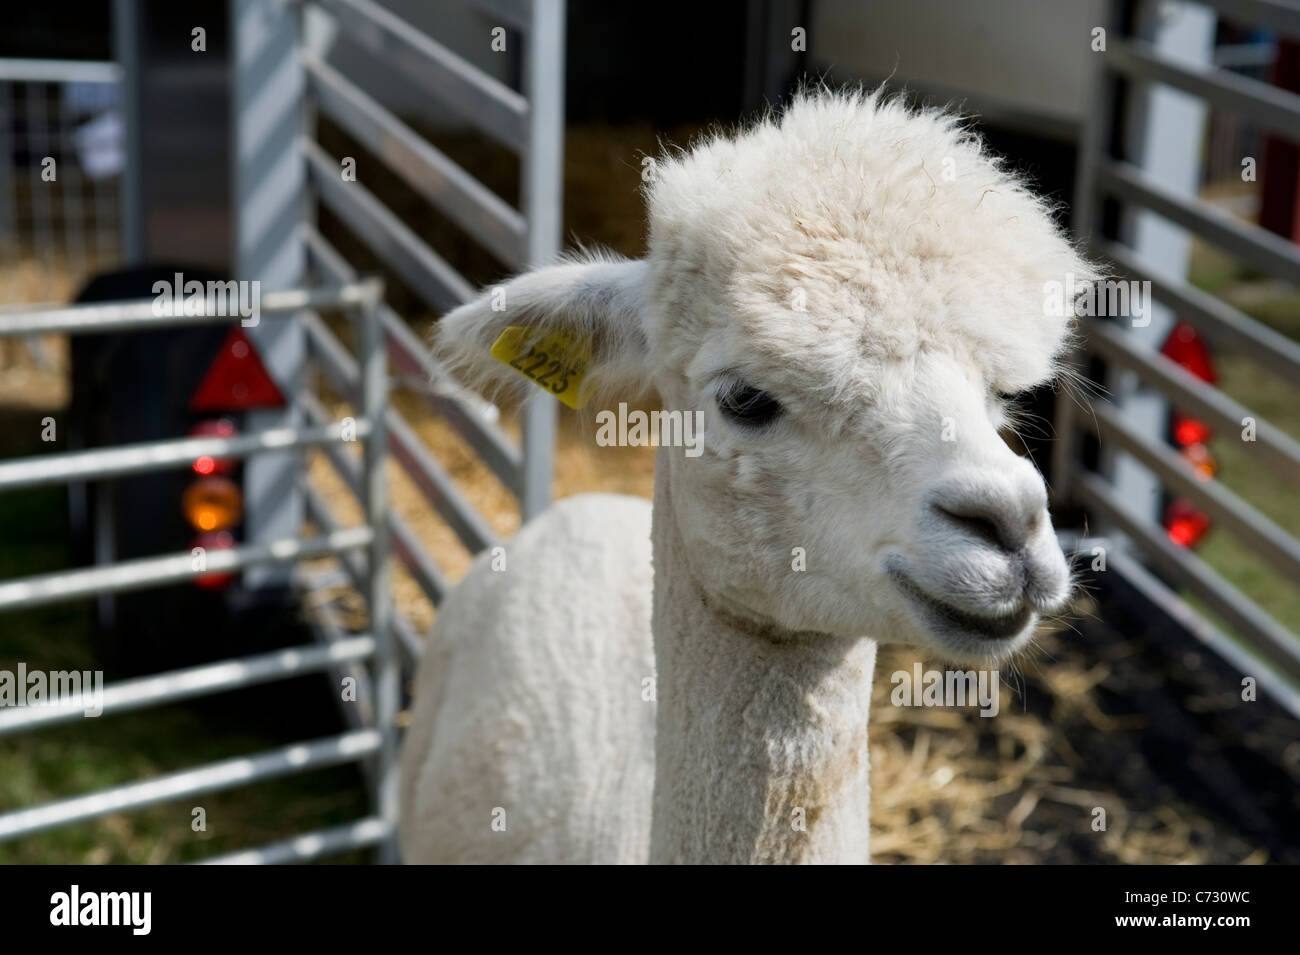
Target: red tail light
x,y
1185,524
1190,431
236,380
213,503
1185,347
213,428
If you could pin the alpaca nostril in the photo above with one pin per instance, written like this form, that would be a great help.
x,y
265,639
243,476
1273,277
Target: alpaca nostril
x,y
977,525
1001,527
1001,511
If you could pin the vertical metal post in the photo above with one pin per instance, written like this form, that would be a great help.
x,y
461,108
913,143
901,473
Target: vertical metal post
x,y
269,184
1094,146
1094,135
374,401
126,50
1164,136
543,188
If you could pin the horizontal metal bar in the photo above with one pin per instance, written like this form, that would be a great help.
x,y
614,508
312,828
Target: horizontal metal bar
x,y
498,451
1240,96
327,629
1225,326
426,272
205,680
483,100
409,355
14,70
1280,15
1273,681
337,363
214,777
157,571
483,214
318,511
44,469
1191,395
347,468
144,314
417,562
1273,544
434,482
342,370
309,846
437,486
1240,612
1123,561
354,564
1255,246
312,580
405,543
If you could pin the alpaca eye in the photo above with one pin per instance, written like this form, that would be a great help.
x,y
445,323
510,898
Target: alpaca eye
x,y
1006,397
749,406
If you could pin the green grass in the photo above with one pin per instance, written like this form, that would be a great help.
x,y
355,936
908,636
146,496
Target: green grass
x,y
90,754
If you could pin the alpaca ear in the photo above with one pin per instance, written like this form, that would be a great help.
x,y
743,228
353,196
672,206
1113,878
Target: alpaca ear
x,y
597,305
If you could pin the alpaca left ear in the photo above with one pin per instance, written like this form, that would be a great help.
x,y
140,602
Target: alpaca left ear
x,y
597,305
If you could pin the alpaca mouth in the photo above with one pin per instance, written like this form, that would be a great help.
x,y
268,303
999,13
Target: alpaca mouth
x,y
946,617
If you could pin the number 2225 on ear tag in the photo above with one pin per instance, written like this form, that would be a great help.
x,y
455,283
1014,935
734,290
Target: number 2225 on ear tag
x,y
555,362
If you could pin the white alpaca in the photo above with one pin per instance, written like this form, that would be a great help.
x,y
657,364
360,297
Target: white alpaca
x,y
846,293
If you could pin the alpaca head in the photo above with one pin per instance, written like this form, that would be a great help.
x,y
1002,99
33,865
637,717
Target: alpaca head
x,y
848,293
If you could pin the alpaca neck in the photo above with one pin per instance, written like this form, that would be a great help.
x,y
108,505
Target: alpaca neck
x,y
761,735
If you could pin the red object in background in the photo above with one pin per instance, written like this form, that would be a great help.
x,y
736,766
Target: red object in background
x,y
213,428
217,540
1187,348
1185,524
1190,431
237,379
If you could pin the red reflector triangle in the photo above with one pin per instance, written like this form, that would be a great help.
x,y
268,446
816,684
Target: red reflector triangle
x,y
236,379
1186,347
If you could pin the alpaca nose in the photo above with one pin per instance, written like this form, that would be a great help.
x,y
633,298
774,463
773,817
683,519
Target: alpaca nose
x,y
1004,511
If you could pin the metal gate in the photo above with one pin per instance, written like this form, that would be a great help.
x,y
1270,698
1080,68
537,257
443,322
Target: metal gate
x,y
529,123
1147,57
533,127
374,739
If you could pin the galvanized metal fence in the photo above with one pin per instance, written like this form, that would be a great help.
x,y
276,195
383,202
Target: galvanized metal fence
x,y
531,124
59,200
373,736
1257,644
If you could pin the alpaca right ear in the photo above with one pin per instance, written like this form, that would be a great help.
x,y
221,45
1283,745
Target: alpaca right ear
x,y
596,303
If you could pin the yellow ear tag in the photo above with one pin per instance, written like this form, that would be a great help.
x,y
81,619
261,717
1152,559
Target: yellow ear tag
x,y
556,362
